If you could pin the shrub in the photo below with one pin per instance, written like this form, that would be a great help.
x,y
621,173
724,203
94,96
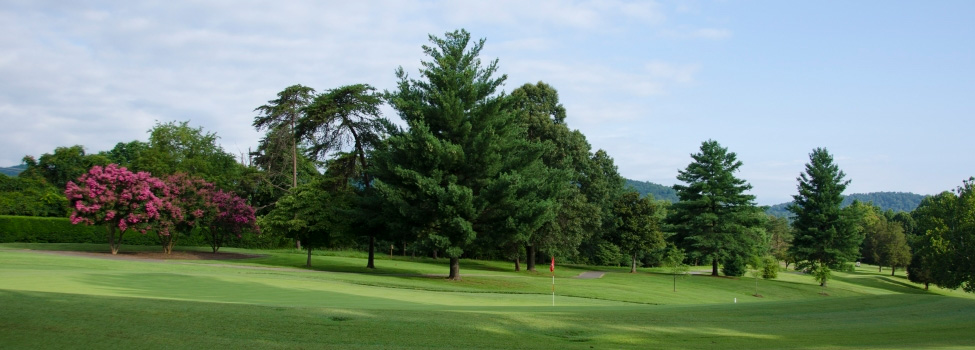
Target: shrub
x,y
770,267
33,229
734,266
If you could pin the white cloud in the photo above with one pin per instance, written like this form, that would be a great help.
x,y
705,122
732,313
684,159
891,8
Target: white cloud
x,y
590,15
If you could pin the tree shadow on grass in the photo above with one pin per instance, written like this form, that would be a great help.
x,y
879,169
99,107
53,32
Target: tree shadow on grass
x,y
215,289
893,284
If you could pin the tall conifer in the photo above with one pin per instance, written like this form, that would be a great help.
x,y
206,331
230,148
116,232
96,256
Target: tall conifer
x,y
715,219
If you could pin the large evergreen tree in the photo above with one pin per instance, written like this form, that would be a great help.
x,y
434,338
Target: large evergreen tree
x,y
715,219
346,117
279,117
441,178
823,237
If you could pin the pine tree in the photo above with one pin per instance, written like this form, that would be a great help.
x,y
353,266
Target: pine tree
x,y
715,219
444,177
823,237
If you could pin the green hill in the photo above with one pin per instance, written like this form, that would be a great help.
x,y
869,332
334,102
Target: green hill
x,y
659,192
896,201
13,170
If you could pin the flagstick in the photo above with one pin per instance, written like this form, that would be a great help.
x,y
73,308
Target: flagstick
x,y
552,268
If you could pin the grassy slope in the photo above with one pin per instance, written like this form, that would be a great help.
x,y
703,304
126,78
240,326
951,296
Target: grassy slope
x,y
131,304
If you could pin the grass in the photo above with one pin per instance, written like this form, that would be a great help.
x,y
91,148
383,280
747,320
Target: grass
x,y
54,301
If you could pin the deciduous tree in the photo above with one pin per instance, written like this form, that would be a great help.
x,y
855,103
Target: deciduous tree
x,y
177,147
636,229
315,213
193,196
946,223
233,217
121,200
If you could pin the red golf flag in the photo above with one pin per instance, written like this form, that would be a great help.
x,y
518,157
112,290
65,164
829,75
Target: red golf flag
x,y
552,267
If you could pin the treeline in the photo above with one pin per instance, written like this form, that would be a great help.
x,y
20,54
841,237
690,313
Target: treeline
x,y
657,191
480,173
896,201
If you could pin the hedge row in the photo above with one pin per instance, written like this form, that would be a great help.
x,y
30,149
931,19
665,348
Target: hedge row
x,y
33,229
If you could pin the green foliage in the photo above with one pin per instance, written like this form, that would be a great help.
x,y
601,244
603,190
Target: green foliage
x,y
130,155
646,188
780,237
674,261
946,227
66,164
637,229
822,274
884,242
31,196
734,265
770,267
715,218
823,234
560,220
31,229
346,117
280,159
440,178
176,147
899,202
316,213
896,201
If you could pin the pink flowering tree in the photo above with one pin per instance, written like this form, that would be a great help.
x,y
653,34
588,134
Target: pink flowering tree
x,y
234,217
121,200
193,197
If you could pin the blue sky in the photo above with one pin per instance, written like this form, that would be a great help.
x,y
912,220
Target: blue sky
x,y
887,87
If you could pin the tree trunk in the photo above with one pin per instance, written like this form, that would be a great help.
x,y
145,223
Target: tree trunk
x,y
518,264
435,254
530,250
714,267
454,269
168,242
892,269
404,249
308,264
633,264
213,241
880,268
925,285
297,244
372,252
111,239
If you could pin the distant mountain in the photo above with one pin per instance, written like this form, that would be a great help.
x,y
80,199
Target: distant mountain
x,y
896,201
13,171
658,191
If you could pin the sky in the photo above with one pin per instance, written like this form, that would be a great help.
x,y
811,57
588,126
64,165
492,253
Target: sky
x,y
887,87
